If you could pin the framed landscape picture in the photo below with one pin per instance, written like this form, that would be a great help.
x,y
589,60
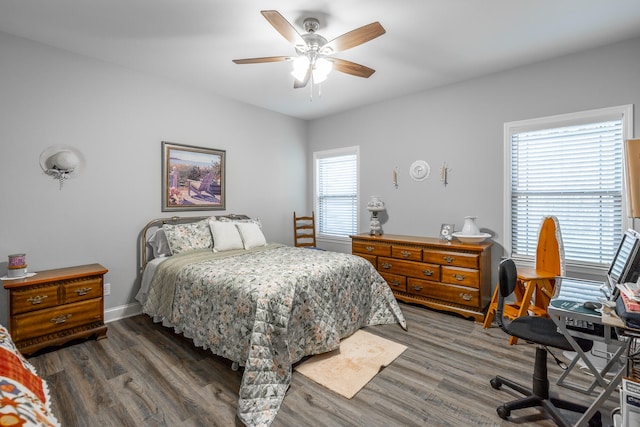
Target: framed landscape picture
x,y
193,178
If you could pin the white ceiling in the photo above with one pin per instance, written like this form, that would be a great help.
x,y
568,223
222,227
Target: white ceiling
x,y
428,43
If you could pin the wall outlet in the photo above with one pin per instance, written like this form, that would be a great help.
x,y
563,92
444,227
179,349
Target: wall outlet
x,y
107,289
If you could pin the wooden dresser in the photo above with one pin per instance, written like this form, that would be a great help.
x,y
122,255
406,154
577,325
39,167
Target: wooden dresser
x,y
56,306
451,276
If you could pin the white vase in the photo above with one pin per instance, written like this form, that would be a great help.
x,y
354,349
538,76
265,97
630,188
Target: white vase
x,y
470,228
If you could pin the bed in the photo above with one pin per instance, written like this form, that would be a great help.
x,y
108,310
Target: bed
x,y
263,306
24,396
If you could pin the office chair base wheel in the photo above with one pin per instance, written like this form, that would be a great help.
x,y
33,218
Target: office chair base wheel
x,y
595,421
503,412
495,383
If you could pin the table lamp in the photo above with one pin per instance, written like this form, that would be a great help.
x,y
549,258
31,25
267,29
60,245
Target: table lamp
x,y
374,206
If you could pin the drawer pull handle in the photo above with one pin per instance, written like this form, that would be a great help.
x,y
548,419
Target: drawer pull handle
x,y
466,297
448,259
406,254
428,272
370,248
459,277
386,265
82,291
61,319
37,299
417,288
394,283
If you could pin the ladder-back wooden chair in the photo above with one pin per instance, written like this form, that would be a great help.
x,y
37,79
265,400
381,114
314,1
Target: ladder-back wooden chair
x,y
535,285
304,230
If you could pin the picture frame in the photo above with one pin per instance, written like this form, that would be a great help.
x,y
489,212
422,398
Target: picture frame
x,y
446,231
193,178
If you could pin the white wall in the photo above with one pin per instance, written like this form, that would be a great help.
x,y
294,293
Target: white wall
x,y
117,118
462,125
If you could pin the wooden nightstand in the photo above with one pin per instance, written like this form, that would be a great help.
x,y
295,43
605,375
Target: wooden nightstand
x,y
56,306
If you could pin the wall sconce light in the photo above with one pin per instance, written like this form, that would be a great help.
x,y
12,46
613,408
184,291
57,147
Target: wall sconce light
x,y
61,163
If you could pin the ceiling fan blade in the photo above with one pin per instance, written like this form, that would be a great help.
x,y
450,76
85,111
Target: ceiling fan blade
x,y
354,38
352,68
283,27
263,59
300,84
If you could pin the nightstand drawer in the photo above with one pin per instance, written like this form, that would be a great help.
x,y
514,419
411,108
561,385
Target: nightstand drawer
x,y
56,319
34,298
455,259
82,290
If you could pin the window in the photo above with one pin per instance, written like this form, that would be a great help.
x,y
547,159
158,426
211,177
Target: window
x,y
570,166
336,192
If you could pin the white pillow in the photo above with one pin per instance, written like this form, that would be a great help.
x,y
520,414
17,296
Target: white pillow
x,y
251,234
225,236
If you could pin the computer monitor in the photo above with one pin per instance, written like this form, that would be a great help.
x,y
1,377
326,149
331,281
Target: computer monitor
x,y
625,266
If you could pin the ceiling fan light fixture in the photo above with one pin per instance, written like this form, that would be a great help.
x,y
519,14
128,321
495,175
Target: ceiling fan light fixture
x,y
321,70
314,61
300,66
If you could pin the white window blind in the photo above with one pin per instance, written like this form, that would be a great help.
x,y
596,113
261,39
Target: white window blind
x,y
574,172
337,192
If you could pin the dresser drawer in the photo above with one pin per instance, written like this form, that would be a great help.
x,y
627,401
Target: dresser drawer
x,y
395,281
34,298
371,258
461,276
456,259
406,252
409,268
451,293
371,248
56,319
82,290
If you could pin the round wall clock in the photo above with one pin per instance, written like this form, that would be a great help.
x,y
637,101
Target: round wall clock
x,y
419,170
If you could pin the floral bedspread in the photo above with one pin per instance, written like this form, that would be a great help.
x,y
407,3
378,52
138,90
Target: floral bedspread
x,y
266,308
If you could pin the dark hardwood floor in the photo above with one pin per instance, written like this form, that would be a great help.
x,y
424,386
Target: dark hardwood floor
x,y
145,375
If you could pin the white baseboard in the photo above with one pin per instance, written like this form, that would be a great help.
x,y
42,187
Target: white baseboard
x,y
122,312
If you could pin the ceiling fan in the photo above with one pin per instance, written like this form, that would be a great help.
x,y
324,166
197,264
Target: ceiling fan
x,y
314,61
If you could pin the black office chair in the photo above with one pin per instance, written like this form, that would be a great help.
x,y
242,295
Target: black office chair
x,y
543,332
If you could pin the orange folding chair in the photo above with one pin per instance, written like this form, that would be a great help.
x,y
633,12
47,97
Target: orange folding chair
x,y
535,285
